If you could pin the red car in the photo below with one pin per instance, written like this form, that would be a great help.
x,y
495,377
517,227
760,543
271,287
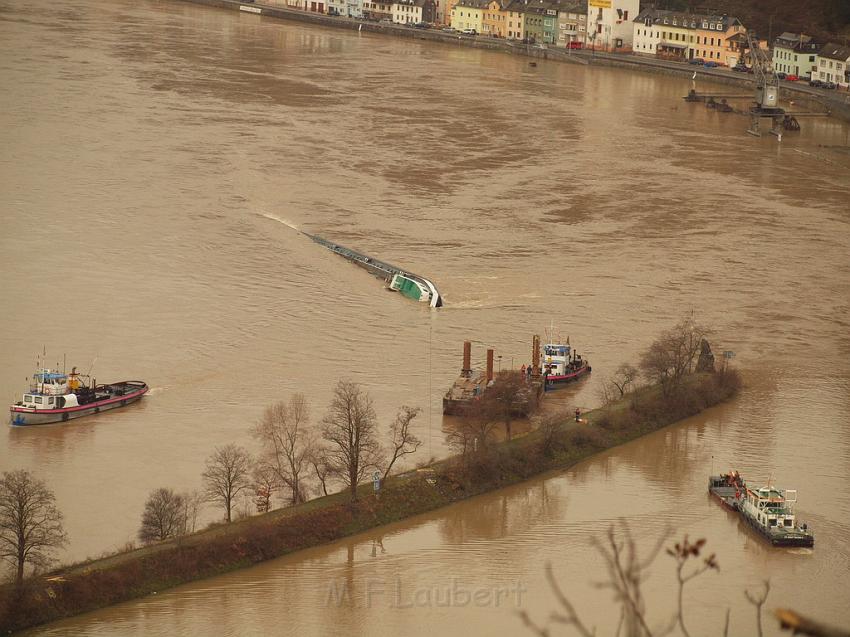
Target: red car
x,y
575,44
791,78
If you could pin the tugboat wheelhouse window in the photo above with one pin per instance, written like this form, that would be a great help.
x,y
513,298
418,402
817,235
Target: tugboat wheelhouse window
x,y
28,398
38,400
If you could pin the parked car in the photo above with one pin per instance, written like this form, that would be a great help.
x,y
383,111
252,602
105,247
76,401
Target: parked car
x,y
469,32
449,29
699,61
830,85
575,44
528,40
791,77
781,76
710,64
740,68
422,25
816,83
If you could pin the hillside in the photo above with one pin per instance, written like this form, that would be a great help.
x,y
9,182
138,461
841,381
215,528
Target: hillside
x,y
823,19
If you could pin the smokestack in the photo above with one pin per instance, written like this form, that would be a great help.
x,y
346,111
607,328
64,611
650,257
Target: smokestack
x,y
535,356
489,365
467,359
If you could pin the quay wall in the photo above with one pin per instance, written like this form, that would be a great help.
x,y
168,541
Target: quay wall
x,y
837,103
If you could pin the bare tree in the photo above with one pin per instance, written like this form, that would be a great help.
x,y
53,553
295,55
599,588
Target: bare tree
x,y
266,482
550,428
319,463
507,397
193,502
351,432
758,601
682,552
624,378
30,523
164,516
287,443
474,432
403,440
626,574
228,474
671,356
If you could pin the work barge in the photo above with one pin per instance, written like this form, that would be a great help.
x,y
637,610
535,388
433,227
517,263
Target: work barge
x,y
559,364
406,283
471,385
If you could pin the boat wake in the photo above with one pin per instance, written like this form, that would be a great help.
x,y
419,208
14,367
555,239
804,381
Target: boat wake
x,y
156,390
279,220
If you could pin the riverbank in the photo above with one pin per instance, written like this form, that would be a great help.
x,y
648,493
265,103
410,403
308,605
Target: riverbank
x,y
556,445
837,103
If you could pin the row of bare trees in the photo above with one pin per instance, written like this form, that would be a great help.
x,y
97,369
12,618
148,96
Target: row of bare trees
x,y
510,396
666,363
295,460
345,448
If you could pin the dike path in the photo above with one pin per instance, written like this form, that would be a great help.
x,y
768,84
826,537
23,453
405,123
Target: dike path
x,y
557,444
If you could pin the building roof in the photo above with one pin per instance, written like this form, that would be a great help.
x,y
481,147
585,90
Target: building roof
x,y
834,51
473,4
685,20
542,6
799,42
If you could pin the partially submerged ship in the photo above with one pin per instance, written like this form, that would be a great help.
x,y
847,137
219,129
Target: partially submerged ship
x,y
770,511
406,283
57,397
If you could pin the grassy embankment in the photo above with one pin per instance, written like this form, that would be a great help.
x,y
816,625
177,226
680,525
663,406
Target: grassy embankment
x,y
83,587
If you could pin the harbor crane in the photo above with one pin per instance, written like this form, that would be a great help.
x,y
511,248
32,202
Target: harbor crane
x,y
767,94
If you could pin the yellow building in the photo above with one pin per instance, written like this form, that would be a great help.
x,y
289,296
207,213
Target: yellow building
x,y
494,20
514,20
469,14
447,11
687,36
674,37
711,39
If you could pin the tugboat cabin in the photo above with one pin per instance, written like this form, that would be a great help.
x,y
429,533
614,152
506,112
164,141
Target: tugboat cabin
x,y
772,507
51,390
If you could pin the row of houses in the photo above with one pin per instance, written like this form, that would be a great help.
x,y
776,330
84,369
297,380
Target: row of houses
x,y
552,22
606,25
799,54
722,39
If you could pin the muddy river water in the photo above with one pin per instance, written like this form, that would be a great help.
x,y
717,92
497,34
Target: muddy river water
x,y
155,157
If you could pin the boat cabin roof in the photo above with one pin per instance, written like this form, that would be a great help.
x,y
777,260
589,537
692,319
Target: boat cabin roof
x,y
562,350
49,377
769,493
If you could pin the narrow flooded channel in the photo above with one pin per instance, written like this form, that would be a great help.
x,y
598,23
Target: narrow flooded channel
x,y
155,155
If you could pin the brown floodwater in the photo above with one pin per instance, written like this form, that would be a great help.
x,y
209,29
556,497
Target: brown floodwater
x,y
155,155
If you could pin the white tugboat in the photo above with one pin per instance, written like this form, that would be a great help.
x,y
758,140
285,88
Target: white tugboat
x,y
561,364
769,510
56,397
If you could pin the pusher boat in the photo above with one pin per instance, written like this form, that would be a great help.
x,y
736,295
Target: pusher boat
x,y
56,397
